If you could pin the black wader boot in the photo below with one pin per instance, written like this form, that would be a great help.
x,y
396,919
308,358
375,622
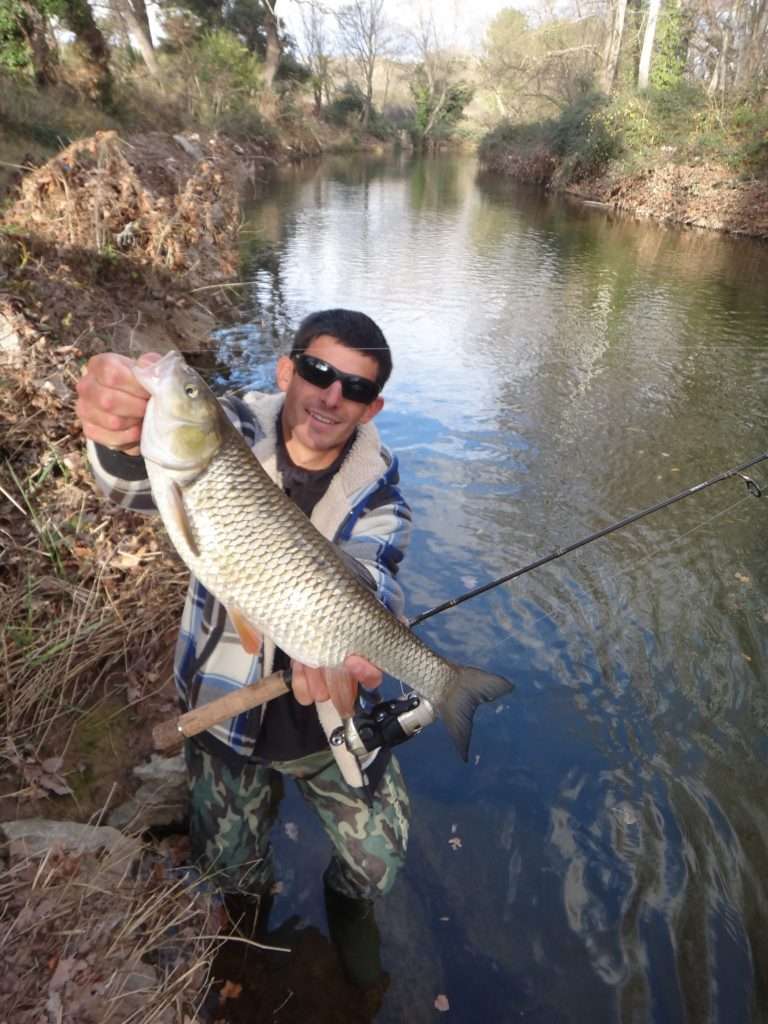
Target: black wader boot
x,y
355,934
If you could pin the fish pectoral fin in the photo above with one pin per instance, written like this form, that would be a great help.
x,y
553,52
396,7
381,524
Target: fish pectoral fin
x,y
250,637
179,515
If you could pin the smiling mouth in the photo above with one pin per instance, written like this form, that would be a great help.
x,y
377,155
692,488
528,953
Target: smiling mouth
x,y
318,417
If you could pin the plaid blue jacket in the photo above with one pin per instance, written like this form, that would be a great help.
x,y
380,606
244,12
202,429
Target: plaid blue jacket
x,y
363,512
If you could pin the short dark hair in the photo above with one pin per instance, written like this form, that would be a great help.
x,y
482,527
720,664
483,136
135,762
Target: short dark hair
x,y
350,328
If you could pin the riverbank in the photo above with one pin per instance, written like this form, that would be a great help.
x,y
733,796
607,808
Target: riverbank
x,y
676,160
702,196
706,195
127,245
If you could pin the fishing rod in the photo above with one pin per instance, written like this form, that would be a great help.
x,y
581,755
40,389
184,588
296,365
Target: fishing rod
x,y
752,488
392,722
389,723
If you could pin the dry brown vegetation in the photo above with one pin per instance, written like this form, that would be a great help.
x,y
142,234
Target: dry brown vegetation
x,y
93,938
104,243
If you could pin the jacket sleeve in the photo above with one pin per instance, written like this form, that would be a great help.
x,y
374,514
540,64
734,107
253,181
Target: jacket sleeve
x,y
123,478
378,538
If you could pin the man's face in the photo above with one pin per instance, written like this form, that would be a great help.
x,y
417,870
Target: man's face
x,y
321,419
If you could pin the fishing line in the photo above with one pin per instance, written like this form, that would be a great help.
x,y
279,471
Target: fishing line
x,y
634,565
752,488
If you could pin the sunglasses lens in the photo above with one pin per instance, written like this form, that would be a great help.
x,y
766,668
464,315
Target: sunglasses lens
x,y
358,389
315,372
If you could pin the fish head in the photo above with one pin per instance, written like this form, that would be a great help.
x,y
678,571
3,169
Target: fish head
x,y
183,424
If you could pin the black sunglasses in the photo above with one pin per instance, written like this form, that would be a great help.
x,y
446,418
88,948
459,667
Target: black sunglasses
x,y
322,375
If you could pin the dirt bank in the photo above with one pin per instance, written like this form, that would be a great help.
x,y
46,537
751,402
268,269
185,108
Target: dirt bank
x,y
120,243
703,196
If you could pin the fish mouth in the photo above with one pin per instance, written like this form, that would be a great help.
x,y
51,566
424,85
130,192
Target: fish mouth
x,y
150,376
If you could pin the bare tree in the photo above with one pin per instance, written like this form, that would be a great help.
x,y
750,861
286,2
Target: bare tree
x,y
315,49
613,44
644,67
751,44
273,49
133,14
365,38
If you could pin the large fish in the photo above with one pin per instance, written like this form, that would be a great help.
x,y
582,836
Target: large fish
x,y
257,552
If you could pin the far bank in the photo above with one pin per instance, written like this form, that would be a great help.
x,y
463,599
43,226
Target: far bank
x,y
685,162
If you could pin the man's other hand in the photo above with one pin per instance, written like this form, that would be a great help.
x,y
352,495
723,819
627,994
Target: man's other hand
x,y
337,684
111,403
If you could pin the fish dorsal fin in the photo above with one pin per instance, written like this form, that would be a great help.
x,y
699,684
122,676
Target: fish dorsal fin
x,y
250,637
179,516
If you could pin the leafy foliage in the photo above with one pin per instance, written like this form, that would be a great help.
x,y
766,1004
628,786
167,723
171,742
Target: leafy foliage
x,y
437,109
585,136
670,50
15,49
347,106
221,78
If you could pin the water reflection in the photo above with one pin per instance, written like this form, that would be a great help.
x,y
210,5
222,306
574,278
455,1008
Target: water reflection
x,y
555,369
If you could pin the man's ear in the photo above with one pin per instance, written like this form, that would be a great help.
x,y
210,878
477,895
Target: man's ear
x,y
284,372
372,410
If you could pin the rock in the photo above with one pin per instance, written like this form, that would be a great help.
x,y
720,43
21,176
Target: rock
x,y
189,147
171,770
161,800
34,837
10,343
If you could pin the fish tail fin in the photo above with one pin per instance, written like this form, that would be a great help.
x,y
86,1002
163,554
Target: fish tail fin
x,y
472,687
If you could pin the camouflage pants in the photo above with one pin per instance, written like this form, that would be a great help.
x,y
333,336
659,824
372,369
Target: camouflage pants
x,y
232,813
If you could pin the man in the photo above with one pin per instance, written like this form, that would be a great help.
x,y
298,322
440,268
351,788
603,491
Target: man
x,y
317,440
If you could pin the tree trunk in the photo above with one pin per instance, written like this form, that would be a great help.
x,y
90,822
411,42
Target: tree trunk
x,y
45,58
613,45
644,68
752,25
717,81
79,19
368,99
272,55
134,14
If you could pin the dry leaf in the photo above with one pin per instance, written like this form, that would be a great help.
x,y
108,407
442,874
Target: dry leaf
x,y
441,1003
230,990
742,578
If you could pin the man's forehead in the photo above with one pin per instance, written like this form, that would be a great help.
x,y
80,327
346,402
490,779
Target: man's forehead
x,y
342,357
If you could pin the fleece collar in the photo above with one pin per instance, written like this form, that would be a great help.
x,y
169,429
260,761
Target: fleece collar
x,y
362,467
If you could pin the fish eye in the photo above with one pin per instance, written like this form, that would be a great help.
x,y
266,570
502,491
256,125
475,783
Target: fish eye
x,y
190,390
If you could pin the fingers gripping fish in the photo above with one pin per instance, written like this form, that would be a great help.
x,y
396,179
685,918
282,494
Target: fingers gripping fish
x,y
260,556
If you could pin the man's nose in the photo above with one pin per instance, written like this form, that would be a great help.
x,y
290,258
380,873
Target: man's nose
x,y
332,396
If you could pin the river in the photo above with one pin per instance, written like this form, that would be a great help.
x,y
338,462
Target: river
x,y
603,856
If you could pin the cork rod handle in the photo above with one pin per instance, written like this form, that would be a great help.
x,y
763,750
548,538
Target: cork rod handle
x,y
172,732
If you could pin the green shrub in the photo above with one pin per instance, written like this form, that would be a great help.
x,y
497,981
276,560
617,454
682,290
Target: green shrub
x,y
346,108
585,136
507,136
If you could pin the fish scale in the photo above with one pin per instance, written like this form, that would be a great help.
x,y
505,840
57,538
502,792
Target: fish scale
x,y
259,552
256,551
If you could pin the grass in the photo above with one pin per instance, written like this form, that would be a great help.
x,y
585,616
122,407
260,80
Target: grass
x,y
118,936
